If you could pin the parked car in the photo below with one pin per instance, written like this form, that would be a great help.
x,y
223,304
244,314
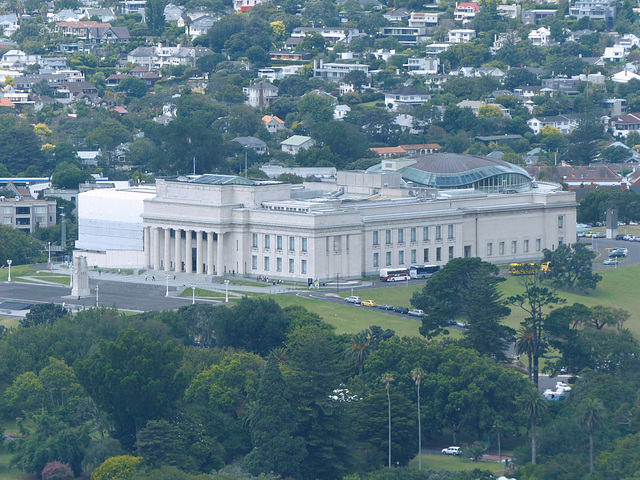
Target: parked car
x,y
401,310
451,451
416,312
610,261
618,237
598,235
462,324
353,299
385,306
617,253
369,303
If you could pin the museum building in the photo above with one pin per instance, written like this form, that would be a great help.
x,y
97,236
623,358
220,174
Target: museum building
x,y
424,209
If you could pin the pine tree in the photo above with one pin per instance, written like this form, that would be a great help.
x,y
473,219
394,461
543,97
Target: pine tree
x,y
272,424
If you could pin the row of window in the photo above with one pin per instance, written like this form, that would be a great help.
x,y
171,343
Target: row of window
x,y
413,256
279,242
413,234
23,210
514,246
279,264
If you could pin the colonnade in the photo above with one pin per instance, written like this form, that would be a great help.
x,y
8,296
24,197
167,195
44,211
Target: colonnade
x,y
164,251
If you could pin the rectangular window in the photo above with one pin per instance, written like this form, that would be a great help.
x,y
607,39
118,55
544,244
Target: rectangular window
x,y
7,220
425,234
40,220
525,246
560,222
451,252
438,232
40,210
388,259
23,210
303,267
413,234
401,257
7,210
292,265
267,241
450,231
538,247
489,249
560,240
279,242
401,235
304,244
292,244
439,254
501,248
414,256
467,251
254,240
387,234
425,255
375,238
267,263
376,260
278,264
254,262
514,246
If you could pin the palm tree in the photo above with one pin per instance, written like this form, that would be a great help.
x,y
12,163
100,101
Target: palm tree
x,y
524,346
533,406
418,374
592,415
359,349
387,378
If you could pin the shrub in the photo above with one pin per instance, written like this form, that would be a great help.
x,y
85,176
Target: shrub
x,y
122,467
57,471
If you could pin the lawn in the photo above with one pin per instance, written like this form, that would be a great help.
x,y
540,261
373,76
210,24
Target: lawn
x,y
455,464
6,471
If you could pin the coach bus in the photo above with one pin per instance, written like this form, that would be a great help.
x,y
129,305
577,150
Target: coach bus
x,y
394,274
423,271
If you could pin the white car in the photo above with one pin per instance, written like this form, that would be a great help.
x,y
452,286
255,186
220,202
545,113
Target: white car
x,y
610,261
353,299
451,451
416,313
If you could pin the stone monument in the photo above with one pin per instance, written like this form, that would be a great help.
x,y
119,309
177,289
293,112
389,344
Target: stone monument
x,y
80,278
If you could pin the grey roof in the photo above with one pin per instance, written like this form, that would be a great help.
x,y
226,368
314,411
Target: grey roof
x,y
213,179
453,170
143,52
250,142
295,140
407,91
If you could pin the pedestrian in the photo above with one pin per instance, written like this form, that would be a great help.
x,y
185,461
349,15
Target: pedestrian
x,y
145,277
153,278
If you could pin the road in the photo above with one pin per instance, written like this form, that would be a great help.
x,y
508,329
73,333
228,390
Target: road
x,y
601,244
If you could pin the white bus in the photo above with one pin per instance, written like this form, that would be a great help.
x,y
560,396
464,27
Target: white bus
x,y
394,274
423,271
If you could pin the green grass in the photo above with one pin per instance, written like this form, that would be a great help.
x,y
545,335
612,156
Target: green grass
x,y
202,293
7,472
455,464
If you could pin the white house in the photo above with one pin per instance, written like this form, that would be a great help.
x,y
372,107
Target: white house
x,y
465,11
617,53
296,143
461,35
405,96
540,37
260,94
422,66
9,24
341,111
565,123
273,124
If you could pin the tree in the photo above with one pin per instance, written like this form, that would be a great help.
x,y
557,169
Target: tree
x,y
18,246
155,16
318,107
359,349
133,86
387,379
535,301
43,313
122,467
272,424
134,379
533,406
592,416
162,443
418,374
571,267
56,471
68,175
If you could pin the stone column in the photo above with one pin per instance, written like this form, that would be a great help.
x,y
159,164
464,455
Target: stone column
x,y
156,248
167,249
188,258
344,254
177,250
210,253
147,247
220,259
199,252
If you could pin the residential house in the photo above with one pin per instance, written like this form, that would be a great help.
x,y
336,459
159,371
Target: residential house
x,y
595,10
77,29
200,26
260,94
332,35
278,73
624,76
565,123
159,55
406,35
465,11
403,150
273,124
133,6
617,53
437,48
65,16
476,105
397,15
335,71
109,35
296,143
535,16
424,19
252,143
461,35
340,112
540,37
578,176
172,13
9,24
405,96
493,72
246,5
27,214
18,57
511,11
78,91
422,66
290,56
103,14
623,124
568,86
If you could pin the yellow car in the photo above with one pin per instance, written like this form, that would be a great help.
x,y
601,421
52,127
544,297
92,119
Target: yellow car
x,y
369,303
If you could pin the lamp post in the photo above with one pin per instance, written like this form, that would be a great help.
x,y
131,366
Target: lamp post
x,y
193,294
166,294
226,291
9,262
97,295
49,248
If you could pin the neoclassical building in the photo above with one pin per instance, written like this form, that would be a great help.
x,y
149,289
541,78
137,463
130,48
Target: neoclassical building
x,y
421,209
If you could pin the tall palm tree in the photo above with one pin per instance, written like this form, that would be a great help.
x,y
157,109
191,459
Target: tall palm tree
x,y
533,406
418,374
592,415
524,346
387,378
359,349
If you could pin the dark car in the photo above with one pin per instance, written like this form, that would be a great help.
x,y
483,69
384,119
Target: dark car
x,y
619,237
404,310
385,306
